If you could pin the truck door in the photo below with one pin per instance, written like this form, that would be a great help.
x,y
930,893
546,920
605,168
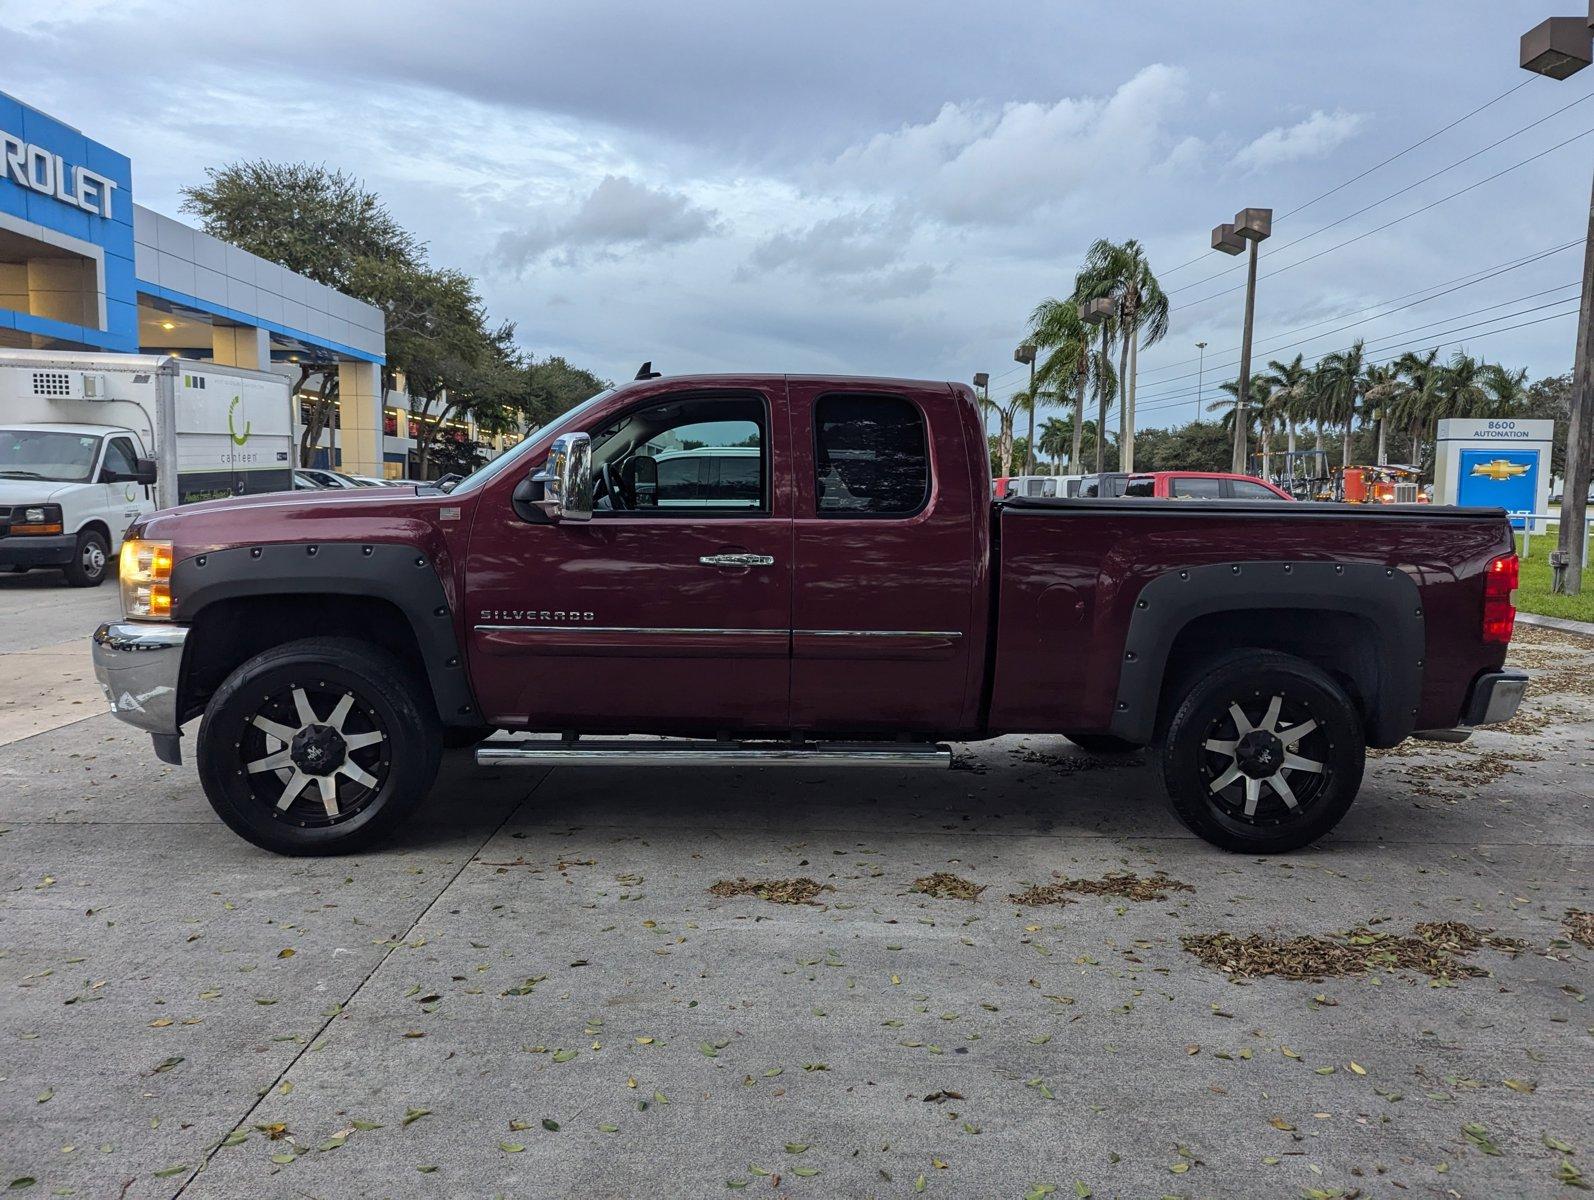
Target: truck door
x,y
123,499
670,609
888,557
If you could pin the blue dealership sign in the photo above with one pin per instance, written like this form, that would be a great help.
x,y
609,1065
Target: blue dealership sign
x,y
71,193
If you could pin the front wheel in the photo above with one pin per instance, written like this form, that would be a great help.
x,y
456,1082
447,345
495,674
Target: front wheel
x,y
90,560
320,746
1264,753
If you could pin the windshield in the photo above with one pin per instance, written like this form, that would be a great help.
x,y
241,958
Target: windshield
x,y
42,454
488,470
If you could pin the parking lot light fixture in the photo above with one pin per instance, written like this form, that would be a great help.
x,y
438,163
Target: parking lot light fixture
x,y
1026,354
1560,47
1251,226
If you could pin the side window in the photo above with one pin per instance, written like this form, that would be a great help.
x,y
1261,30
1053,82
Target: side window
x,y
684,456
1143,489
1194,488
1245,490
871,458
119,457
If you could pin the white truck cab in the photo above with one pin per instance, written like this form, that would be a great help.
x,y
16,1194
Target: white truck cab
x,y
68,494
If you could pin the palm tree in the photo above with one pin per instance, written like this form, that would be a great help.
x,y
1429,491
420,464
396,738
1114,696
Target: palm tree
x,y
1122,272
1005,414
1071,365
1344,381
1460,388
1414,404
1291,393
1384,383
1256,415
1054,441
1507,390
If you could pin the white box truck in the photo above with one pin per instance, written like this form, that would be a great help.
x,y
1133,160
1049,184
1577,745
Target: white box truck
x,y
90,442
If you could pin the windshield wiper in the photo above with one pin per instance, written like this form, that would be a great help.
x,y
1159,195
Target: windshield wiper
x,y
22,475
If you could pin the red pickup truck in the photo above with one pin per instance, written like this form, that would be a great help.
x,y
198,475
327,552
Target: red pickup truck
x,y
794,570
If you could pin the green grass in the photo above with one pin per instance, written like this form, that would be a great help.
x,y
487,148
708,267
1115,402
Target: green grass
x,y
1533,589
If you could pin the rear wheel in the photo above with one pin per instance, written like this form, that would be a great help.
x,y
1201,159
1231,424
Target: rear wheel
x,y
1264,753
321,746
90,561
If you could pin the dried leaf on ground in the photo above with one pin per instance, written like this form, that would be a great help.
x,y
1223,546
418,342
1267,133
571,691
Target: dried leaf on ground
x,y
943,885
1436,951
1125,885
1580,926
801,890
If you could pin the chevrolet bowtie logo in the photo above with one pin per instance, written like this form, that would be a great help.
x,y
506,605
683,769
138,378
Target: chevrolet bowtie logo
x,y
1500,469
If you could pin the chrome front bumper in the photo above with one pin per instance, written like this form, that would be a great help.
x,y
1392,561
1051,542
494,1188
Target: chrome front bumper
x,y
138,665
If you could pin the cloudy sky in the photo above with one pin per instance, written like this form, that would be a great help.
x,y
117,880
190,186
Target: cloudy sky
x,y
888,187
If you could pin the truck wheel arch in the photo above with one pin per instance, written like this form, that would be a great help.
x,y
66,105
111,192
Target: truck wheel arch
x,y
347,576
1261,604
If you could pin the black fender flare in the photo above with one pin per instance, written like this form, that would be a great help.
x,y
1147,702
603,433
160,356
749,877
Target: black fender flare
x,y
399,574
1387,598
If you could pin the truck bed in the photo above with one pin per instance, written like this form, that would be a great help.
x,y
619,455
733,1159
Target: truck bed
x,y
1079,636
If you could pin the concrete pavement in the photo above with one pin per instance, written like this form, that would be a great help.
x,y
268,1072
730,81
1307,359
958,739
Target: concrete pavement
x,y
533,994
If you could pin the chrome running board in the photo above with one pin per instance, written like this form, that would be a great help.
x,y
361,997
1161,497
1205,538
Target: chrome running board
x,y
664,753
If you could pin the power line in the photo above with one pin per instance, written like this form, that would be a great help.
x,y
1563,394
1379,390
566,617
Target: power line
x,y
1407,150
1404,217
1377,166
1482,275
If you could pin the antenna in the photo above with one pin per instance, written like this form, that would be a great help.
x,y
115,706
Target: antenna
x,y
646,371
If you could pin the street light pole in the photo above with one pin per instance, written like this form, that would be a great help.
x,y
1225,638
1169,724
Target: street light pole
x,y
1026,354
1251,225
1560,47
1201,374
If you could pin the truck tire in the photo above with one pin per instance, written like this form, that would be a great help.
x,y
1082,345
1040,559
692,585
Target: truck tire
x,y
90,561
1264,753
320,746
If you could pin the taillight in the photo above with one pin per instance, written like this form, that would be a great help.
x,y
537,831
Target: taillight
x,y
1499,592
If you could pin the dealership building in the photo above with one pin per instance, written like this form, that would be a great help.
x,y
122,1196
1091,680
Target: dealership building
x,y
83,266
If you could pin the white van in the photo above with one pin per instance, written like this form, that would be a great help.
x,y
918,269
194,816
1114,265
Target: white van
x,y
85,451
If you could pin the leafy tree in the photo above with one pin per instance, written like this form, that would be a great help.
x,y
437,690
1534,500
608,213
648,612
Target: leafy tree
x,y
1343,382
1071,366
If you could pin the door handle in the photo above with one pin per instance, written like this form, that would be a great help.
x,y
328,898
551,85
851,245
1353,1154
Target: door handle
x,y
737,560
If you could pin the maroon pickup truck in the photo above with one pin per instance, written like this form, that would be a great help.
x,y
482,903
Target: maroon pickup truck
x,y
770,569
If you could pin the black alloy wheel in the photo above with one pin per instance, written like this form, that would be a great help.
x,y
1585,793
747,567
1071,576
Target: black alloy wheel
x,y
1264,753
320,746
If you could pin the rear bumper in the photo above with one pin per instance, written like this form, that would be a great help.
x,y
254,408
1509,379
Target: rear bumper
x,y
29,551
138,666
1494,699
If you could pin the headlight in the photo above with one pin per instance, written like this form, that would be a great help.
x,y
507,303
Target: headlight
x,y
36,520
146,570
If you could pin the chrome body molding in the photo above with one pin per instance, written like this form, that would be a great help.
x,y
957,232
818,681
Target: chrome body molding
x,y
138,665
661,753
838,633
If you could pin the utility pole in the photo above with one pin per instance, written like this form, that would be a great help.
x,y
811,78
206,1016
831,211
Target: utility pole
x,y
1560,47
1252,225
1201,374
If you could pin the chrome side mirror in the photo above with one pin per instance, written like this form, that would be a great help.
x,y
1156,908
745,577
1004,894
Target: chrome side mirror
x,y
566,479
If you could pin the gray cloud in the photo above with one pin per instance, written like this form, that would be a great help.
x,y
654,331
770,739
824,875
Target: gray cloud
x,y
618,213
1319,134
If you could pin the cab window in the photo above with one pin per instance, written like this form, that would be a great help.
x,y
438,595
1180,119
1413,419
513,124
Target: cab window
x,y
1141,488
681,456
1195,488
871,457
119,459
1245,490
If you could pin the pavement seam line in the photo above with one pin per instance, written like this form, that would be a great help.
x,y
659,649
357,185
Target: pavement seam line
x,y
365,979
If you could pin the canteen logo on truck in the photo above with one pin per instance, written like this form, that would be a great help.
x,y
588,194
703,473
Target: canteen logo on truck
x,y
238,439
47,173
